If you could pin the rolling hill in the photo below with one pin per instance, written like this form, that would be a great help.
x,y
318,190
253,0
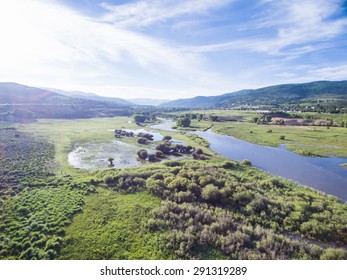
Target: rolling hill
x,y
22,103
91,96
278,94
148,101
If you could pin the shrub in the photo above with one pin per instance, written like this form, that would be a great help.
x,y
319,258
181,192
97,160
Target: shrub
x,y
142,140
142,154
159,154
334,254
148,136
164,148
211,193
151,157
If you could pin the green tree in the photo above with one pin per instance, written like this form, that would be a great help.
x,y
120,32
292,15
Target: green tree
x,y
183,121
111,161
142,154
139,118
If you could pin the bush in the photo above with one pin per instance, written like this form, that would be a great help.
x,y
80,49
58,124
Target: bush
x,y
142,140
151,157
211,193
159,154
183,121
334,254
142,154
163,147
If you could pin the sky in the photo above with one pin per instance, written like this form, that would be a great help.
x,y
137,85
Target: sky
x,y
169,49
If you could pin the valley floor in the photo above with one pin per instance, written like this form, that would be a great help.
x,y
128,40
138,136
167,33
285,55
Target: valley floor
x,y
182,208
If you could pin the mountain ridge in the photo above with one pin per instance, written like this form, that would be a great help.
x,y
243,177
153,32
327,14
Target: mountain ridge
x,y
91,96
20,103
270,95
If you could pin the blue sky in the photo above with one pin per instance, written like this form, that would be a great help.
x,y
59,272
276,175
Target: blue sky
x,y
171,49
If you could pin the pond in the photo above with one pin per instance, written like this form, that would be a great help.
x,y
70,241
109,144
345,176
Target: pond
x,y
323,174
95,155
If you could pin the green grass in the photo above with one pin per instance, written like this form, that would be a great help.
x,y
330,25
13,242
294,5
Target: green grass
x,y
112,226
65,133
344,165
305,140
211,210
34,220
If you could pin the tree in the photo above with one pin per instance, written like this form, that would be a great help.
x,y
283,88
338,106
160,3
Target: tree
x,y
268,118
167,138
151,157
163,147
200,117
183,121
111,161
138,118
213,118
142,140
142,154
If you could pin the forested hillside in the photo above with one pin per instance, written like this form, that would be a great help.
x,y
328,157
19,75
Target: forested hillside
x,y
273,95
20,103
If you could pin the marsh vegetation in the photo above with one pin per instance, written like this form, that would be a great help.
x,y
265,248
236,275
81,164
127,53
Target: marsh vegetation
x,y
62,197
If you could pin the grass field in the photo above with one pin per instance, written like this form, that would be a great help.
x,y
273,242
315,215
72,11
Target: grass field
x,y
178,209
112,226
304,140
66,133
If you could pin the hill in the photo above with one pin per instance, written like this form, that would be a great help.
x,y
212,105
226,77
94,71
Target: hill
x,y
13,93
148,101
92,96
273,95
22,103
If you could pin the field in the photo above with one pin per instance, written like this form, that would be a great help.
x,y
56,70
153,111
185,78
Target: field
x,y
304,140
182,208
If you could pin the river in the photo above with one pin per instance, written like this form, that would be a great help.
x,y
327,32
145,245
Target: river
x,y
323,174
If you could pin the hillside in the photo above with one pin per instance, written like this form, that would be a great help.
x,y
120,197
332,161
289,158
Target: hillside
x,y
148,101
273,95
92,96
13,93
22,103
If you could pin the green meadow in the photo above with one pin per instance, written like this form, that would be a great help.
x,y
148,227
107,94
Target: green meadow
x,y
182,208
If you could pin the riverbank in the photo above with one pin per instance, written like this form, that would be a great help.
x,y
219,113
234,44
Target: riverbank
x,y
304,140
216,208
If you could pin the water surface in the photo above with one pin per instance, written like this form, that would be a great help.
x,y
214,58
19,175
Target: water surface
x,y
323,174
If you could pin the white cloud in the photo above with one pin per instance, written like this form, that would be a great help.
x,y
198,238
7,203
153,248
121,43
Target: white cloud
x,y
147,12
329,73
46,43
289,28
